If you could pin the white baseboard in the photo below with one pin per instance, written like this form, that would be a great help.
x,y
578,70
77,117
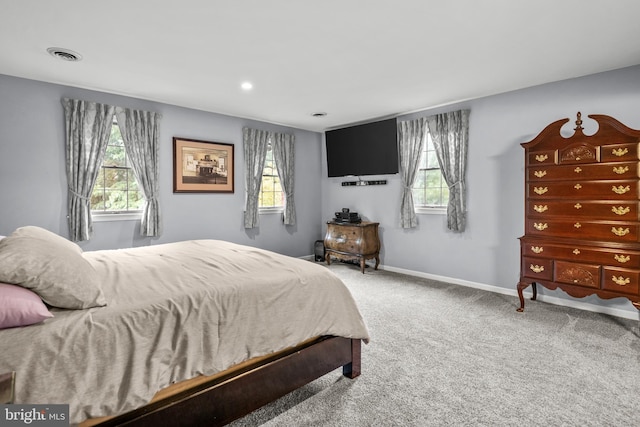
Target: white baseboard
x,y
632,314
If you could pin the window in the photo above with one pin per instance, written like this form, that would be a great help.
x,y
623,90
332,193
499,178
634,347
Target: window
x,y
116,189
430,189
271,194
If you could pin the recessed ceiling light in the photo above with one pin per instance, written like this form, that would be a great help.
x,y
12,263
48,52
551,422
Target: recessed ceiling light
x,y
246,86
319,114
64,54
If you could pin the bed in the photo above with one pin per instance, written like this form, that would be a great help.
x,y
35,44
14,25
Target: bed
x,y
194,332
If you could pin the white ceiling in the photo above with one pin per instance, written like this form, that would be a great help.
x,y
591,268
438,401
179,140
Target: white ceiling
x,y
356,60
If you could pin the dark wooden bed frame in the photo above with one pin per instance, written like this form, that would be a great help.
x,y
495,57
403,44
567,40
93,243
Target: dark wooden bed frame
x,y
229,397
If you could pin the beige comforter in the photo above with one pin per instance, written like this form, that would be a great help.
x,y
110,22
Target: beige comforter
x,y
174,311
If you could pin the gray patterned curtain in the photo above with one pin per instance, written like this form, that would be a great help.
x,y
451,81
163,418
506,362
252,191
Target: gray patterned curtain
x,y
139,131
255,151
450,135
88,127
411,139
284,156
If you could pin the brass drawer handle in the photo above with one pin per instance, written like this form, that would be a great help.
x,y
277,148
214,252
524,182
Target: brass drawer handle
x,y
620,189
577,186
540,226
621,281
541,208
622,258
620,231
537,268
542,157
619,151
620,170
576,251
577,206
540,190
537,249
578,169
577,225
540,174
620,210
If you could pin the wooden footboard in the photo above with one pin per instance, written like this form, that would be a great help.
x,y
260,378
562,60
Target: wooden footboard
x,y
229,397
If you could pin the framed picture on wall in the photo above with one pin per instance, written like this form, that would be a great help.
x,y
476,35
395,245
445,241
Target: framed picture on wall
x,y
202,166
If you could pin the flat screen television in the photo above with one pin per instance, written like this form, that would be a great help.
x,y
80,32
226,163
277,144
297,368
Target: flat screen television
x,y
369,149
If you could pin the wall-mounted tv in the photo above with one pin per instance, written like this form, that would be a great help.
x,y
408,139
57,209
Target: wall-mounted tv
x,y
369,149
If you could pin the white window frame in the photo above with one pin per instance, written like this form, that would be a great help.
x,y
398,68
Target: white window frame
x,y
271,209
128,215
116,216
429,209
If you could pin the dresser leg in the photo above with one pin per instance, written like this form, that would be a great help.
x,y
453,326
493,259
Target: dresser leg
x,y
522,286
377,262
362,265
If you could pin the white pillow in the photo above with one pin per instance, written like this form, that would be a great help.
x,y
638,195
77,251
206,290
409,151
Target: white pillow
x,y
51,266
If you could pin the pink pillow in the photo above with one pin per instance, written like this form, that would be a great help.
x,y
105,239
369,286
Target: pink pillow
x,y
20,307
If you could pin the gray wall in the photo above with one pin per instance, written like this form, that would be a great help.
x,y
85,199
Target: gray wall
x,y
488,251
33,184
33,188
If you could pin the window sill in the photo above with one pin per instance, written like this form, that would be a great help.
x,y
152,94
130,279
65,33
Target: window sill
x,y
265,211
124,216
436,210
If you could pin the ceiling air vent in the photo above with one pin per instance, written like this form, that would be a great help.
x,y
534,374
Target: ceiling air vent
x,y
64,54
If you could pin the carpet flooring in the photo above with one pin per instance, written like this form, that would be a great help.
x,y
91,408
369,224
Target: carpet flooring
x,y
447,355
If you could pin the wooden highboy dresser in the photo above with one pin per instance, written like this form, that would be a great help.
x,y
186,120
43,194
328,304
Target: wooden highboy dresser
x,y
352,242
582,229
